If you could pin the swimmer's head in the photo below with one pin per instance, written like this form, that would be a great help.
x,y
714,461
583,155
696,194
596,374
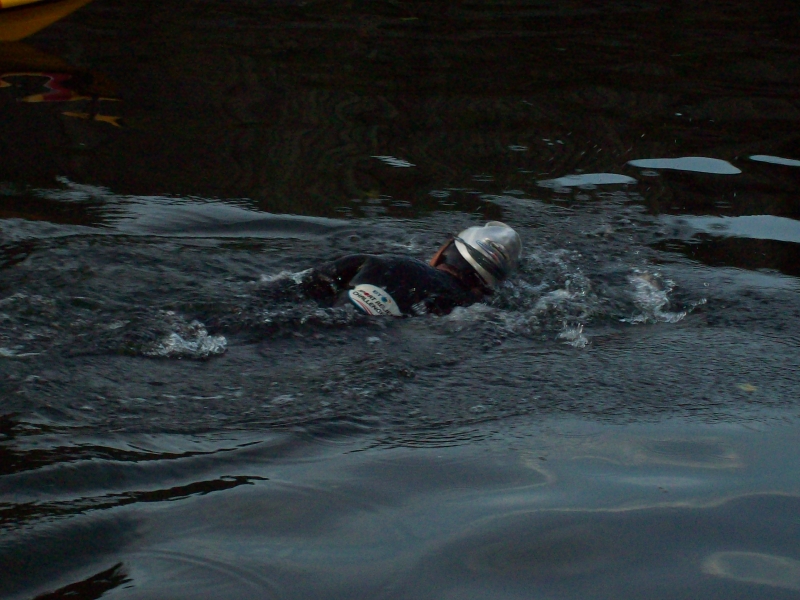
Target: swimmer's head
x,y
492,251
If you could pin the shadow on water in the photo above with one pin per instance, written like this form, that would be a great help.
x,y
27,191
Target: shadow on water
x,y
21,515
92,588
16,460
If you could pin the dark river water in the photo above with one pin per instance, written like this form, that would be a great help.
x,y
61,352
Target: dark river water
x,y
621,420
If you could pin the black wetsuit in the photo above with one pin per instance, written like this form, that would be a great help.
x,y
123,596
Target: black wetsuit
x,y
389,285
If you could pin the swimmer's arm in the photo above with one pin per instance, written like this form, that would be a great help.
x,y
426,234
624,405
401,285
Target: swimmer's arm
x,y
329,279
442,304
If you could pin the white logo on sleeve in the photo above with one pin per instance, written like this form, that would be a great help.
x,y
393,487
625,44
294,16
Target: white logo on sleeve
x,y
374,301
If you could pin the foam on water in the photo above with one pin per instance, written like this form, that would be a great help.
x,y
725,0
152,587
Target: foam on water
x,y
294,276
189,341
467,317
310,315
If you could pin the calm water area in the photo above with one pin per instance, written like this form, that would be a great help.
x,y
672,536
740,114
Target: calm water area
x,y
620,420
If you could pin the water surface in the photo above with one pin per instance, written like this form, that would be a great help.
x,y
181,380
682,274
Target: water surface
x,y
618,421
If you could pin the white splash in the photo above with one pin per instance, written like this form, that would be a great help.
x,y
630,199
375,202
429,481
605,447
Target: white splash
x,y
192,341
462,315
573,336
554,299
410,246
651,295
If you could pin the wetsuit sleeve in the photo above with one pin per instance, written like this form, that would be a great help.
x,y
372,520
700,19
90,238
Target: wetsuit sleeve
x,y
328,280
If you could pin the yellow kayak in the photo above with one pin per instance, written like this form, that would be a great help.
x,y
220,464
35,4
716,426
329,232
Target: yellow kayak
x,y
21,18
12,3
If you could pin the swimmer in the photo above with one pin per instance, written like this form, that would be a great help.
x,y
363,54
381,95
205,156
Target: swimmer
x,y
463,271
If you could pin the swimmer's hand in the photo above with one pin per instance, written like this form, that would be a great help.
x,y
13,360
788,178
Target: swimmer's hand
x,y
328,280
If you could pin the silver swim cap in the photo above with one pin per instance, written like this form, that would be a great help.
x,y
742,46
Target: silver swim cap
x,y
493,250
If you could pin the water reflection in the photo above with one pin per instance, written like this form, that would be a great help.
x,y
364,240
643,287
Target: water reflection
x,y
325,118
425,457
559,506
62,82
572,554
587,179
758,227
750,241
25,71
776,160
753,567
706,453
694,164
752,254
288,105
